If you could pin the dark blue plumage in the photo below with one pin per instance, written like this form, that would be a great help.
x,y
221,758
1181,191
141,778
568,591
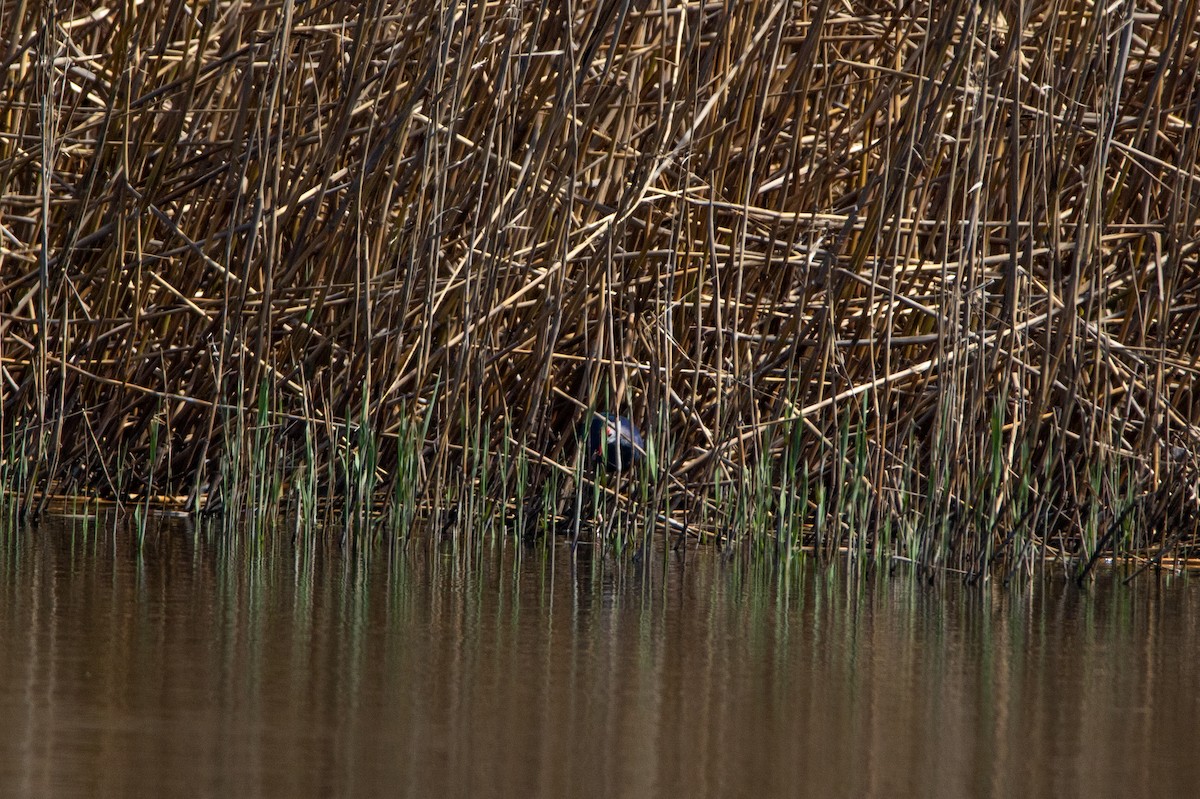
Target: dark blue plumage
x,y
614,443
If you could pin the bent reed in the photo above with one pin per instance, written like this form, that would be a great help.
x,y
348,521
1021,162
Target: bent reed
x,y
910,281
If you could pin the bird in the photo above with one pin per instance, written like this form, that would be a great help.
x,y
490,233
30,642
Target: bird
x,y
614,442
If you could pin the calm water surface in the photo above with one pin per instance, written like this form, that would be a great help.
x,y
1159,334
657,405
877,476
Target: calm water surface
x,y
207,666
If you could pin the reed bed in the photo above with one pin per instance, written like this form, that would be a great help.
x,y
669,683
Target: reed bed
x,y
911,281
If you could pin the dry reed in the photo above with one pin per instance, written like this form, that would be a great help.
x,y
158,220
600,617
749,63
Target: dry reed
x,y
915,279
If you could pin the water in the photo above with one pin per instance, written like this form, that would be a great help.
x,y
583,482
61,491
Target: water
x,y
204,665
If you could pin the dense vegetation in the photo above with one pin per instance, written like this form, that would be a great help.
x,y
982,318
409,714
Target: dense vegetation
x,y
912,280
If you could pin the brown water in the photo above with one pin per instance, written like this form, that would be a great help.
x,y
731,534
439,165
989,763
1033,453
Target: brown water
x,y
205,666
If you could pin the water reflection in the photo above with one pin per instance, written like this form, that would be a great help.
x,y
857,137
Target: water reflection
x,y
203,664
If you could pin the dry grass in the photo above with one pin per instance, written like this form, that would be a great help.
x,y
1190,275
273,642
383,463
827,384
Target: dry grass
x,y
923,276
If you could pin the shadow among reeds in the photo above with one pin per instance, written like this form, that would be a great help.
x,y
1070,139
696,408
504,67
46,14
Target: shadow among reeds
x,y
915,281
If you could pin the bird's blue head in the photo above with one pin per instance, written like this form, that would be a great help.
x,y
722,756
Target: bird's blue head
x,y
614,442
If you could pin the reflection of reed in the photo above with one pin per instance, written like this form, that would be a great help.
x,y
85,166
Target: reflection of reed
x,y
912,280
308,673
